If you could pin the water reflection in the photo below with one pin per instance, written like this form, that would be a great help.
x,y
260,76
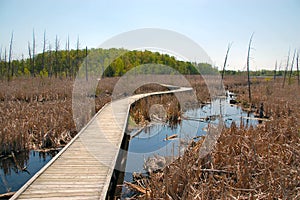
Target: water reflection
x,y
194,124
18,168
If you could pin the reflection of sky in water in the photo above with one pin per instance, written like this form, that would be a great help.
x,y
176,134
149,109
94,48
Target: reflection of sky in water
x,y
12,179
152,140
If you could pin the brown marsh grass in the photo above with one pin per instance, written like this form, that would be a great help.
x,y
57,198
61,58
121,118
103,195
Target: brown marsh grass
x,y
253,163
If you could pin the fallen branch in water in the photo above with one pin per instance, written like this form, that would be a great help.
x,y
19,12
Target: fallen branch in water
x,y
138,188
7,195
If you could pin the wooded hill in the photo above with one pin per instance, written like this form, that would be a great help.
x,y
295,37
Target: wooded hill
x,y
66,63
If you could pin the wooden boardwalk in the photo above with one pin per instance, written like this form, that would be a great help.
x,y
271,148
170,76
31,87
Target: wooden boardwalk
x,y
83,168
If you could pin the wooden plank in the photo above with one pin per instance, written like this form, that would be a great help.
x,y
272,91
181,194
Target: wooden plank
x,y
83,169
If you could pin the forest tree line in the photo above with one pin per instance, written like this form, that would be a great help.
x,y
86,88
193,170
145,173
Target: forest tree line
x,y
66,63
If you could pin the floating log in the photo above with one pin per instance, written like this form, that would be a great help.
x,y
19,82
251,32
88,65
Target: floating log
x,y
256,118
171,137
137,187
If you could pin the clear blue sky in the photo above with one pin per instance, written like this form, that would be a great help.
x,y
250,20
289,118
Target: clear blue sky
x,y
210,23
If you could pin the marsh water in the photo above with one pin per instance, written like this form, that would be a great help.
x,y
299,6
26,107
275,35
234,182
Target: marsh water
x,y
144,144
16,172
153,140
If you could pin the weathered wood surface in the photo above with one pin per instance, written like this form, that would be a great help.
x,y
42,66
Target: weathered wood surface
x,y
83,169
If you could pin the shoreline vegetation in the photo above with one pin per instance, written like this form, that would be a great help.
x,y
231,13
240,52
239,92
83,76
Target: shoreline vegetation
x,y
255,163
246,163
259,163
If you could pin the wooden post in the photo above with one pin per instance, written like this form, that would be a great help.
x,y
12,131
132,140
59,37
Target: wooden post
x,y
248,67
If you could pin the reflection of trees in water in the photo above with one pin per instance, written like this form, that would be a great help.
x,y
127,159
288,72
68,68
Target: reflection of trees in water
x,y
8,164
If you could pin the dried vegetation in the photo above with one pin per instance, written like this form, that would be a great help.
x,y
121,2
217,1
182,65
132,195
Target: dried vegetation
x,y
254,163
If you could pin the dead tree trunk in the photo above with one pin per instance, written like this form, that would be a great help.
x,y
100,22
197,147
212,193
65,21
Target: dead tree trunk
x,y
1,64
10,67
86,64
297,60
275,70
286,68
69,59
44,50
33,54
77,57
291,71
225,61
50,64
57,67
5,62
30,59
248,67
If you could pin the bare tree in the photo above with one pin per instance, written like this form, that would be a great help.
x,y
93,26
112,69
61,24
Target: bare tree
x,y
30,58
33,53
86,64
248,67
297,62
57,67
275,70
225,61
77,57
44,50
5,60
10,67
50,68
68,57
1,63
286,68
291,71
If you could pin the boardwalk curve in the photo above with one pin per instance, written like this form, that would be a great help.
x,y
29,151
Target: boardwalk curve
x,y
81,171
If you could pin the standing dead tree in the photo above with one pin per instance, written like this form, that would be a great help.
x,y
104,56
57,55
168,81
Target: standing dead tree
x,y
30,57
291,71
1,63
86,64
225,61
44,51
286,68
5,61
50,67
77,58
297,63
69,67
10,67
248,67
33,54
57,67
275,70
